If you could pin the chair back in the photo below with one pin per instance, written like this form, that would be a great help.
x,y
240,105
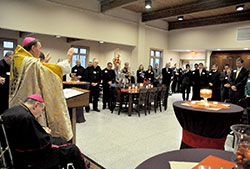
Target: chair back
x,y
142,96
152,94
115,94
159,90
163,92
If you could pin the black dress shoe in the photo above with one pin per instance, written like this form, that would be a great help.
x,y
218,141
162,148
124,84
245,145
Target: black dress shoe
x,y
97,110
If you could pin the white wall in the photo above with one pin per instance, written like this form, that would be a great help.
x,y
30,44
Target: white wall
x,y
172,57
192,55
50,18
119,28
209,37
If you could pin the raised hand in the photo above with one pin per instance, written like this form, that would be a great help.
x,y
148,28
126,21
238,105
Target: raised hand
x,y
47,58
70,54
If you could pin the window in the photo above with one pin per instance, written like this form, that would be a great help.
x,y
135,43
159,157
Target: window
x,y
6,45
155,57
81,53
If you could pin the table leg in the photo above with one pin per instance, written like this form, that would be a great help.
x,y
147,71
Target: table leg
x,y
130,104
73,122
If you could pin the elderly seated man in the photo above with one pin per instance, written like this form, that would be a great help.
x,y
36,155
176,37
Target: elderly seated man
x,y
29,140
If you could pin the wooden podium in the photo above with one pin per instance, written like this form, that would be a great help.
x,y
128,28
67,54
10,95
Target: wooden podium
x,y
81,100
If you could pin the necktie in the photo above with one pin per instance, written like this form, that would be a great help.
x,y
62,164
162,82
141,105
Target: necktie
x,y
237,73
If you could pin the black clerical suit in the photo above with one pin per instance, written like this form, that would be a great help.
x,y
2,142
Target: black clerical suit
x,y
93,75
224,79
79,71
239,83
179,80
139,75
167,73
29,142
107,75
199,82
149,75
175,80
214,78
186,82
4,88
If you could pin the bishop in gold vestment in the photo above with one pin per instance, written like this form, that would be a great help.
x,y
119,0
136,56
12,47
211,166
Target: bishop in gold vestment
x,y
31,76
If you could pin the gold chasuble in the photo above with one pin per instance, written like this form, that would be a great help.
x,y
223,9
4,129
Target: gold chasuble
x,y
30,76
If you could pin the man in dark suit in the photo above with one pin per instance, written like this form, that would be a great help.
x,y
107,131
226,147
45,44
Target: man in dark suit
x,y
200,81
238,80
78,70
93,76
4,81
175,78
224,79
186,82
214,82
108,77
167,75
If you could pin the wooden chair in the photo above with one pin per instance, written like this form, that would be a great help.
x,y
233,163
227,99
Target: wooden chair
x,y
141,100
152,94
115,95
124,99
162,98
158,97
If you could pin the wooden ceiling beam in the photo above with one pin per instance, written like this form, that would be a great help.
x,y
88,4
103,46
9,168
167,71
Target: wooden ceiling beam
x,y
69,40
214,20
110,4
25,34
198,6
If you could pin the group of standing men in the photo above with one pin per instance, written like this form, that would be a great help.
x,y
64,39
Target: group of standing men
x,y
228,85
94,75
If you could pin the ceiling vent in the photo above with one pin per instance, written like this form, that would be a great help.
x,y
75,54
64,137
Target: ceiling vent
x,y
243,34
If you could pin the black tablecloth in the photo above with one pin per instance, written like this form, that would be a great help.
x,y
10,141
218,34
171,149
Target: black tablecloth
x,y
189,155
209,124
79,111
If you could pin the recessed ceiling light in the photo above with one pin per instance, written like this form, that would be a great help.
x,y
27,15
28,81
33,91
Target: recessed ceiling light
x,y
218,49
101,41
148,4
239,8
180,18
58,36
245,48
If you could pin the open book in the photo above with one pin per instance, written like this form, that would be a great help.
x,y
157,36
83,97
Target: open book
x,y
68,93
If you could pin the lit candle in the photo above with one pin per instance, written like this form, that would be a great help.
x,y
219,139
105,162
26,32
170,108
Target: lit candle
x,y
141,85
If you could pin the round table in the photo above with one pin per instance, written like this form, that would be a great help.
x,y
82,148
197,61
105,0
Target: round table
x,y
203,128
161,161
82,85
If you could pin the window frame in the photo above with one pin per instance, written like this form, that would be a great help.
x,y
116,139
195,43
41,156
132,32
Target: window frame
x,y
79,54
2,49
156,57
